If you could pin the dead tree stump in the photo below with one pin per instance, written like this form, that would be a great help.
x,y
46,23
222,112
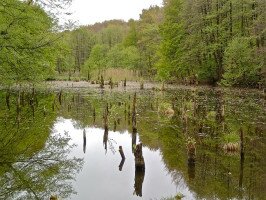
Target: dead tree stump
x,y
125,82
102,82
139,160
60,97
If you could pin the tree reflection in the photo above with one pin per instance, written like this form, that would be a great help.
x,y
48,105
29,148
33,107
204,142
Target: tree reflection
x,y
33,163
46,172
139,178
84,141
206,115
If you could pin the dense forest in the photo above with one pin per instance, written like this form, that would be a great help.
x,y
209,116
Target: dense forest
x,y
219,42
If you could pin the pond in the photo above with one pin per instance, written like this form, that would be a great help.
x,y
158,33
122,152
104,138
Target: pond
x,y
197,143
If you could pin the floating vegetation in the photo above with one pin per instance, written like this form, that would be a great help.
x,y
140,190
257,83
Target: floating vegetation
x,y
166,109
231,147
231,143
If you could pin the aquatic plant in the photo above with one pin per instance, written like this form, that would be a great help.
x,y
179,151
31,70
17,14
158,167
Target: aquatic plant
x,y
166,109
231,142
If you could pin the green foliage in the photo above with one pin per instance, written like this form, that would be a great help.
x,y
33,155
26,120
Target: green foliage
x,y
231,137
26,42
82,42
98,57
240,68
29,160
131,58
115,57
131,37
213,40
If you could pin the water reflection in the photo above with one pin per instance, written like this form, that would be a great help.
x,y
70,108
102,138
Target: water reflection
x,y
210,166
34,164
40,174
139,178
121,164
100,167
84,141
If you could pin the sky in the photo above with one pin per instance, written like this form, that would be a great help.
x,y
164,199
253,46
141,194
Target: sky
x,y
92,11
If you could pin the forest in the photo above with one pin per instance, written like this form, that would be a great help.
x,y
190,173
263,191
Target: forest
x,y
128,107
219,42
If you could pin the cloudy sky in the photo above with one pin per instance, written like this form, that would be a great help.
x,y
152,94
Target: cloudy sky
x,y
91,11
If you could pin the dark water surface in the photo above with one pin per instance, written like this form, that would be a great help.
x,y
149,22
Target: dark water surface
x,y
54,143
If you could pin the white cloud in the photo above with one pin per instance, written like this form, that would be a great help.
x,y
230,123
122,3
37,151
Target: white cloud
x,y
91,11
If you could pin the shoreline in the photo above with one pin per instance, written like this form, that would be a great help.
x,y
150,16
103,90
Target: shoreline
x,y
131,86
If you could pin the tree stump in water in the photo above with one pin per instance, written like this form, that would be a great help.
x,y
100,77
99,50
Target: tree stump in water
x,y
139,160
102,82
125,82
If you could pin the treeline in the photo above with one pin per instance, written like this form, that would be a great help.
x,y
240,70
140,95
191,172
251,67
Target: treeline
x,y
113,44
221,41
195,41
185,41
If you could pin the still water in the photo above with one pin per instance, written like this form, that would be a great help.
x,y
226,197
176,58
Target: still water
x,y
55,143
101,177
